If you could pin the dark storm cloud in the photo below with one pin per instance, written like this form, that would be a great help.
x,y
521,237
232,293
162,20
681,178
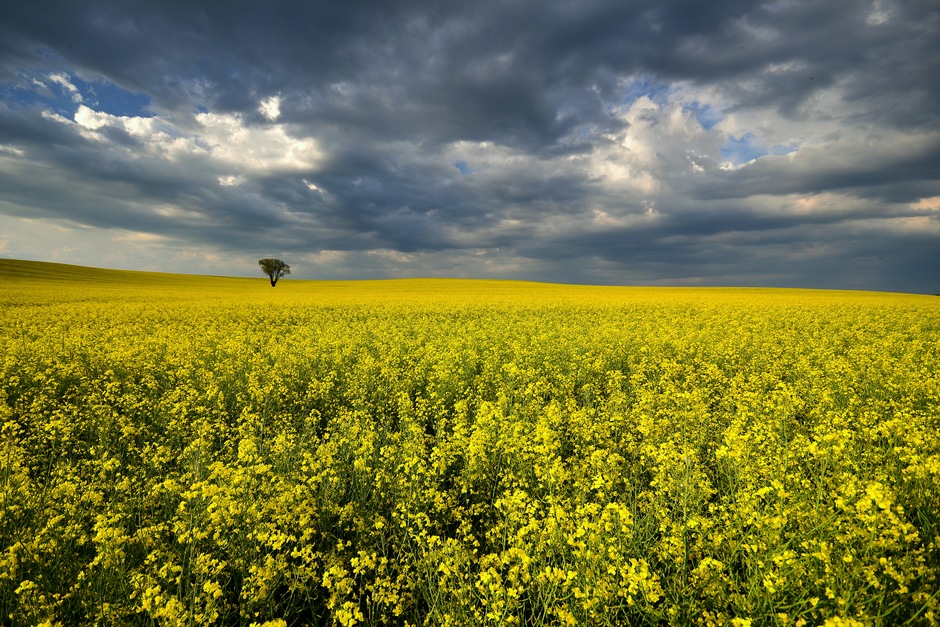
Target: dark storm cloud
x,y
587,140
863,167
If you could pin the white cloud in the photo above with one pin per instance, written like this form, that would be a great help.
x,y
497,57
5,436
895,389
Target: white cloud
x,y
881,13
931,204
231,180
263,150
93,120
224,141
49,115
660,141
63,81
271,108
139,237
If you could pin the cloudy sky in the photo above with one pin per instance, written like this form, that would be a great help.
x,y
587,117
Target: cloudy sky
x,y
651,142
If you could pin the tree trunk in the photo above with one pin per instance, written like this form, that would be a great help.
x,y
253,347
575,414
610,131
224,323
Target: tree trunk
x,y
273,281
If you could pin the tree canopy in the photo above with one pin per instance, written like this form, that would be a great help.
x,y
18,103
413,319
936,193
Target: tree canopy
x,y
274,268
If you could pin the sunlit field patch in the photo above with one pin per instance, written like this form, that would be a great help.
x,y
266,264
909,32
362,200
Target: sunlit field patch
x,y
193,450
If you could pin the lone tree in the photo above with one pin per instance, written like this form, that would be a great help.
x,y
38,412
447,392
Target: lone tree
x,y
274,268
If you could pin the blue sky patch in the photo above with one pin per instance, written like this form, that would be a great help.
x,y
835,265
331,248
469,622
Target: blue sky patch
x,y
657,91
108,97
62,93
742,149
705,114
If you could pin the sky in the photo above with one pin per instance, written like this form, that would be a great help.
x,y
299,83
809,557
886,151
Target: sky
x,y
791,143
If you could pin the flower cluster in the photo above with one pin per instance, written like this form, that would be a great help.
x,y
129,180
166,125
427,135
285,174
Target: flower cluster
x,y
467,453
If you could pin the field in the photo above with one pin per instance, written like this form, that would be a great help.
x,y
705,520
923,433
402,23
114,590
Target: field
x,y
194,450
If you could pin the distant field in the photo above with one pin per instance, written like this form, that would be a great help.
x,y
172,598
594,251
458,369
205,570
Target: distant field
x,y
203,450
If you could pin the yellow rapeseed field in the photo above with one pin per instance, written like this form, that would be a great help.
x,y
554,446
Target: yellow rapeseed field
x,y
211,451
